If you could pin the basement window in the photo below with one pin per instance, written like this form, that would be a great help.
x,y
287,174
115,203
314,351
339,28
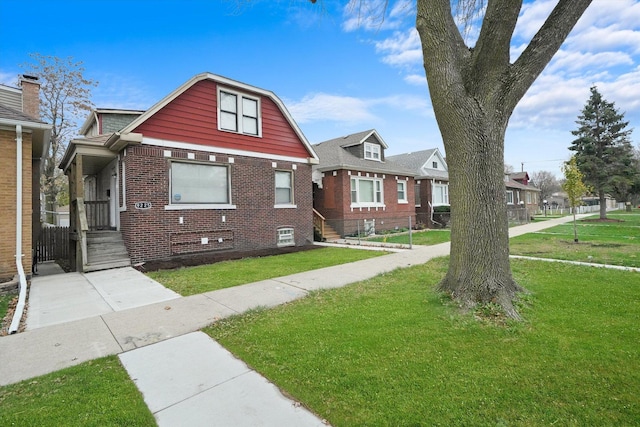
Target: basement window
x,y
285,237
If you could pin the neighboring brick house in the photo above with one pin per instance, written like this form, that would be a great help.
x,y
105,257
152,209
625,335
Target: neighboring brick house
x,y
217,166
357,189
20,122
519,194
432,182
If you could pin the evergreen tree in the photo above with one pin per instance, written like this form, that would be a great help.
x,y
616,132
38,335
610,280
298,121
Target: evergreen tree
x,y
604,153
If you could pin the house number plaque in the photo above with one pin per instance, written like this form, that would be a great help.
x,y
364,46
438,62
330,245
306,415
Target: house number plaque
x,y
143,205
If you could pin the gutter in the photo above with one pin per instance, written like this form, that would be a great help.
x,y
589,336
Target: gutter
x,y
22,280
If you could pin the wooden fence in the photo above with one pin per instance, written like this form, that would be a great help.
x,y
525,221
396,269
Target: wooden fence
x,y
52,244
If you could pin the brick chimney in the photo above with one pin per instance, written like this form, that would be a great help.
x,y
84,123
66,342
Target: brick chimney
x,y
30,95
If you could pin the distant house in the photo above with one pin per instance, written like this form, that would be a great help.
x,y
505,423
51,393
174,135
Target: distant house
x,y
432,181
24,141
520,194
357,189
217,166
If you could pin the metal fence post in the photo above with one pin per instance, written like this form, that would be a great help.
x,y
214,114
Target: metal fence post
x,y
410,234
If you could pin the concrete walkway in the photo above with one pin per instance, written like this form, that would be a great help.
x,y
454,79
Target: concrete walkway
x,y
183,374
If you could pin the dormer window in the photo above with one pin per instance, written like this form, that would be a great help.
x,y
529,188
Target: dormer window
x,y
371,151
239,113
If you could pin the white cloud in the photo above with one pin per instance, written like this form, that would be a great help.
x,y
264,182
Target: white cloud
x,y
323,106
401,49
567,61
346,109
8,78
416,79
375,15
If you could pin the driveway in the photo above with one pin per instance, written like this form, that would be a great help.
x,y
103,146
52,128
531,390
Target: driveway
x,y
56,297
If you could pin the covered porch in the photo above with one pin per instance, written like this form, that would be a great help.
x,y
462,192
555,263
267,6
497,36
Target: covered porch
x,y
95,200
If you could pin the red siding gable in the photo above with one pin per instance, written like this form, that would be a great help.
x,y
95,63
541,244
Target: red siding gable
x,y
192,117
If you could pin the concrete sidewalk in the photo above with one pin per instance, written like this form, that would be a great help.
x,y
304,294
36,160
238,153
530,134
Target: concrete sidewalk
x,y
130,331
56,297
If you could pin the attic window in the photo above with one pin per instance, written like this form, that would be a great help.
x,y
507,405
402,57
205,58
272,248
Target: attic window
x,y
371,151
435,165
239,113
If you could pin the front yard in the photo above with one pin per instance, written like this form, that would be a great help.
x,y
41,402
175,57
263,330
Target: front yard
x,y
392,351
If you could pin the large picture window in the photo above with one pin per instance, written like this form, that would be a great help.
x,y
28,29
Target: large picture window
x,y
238,113
440,194
284,188
366,192
193,183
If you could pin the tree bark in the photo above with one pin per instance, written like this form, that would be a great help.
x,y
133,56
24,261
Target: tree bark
x,y
603,204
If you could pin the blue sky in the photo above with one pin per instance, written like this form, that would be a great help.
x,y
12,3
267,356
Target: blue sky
x,y
337,72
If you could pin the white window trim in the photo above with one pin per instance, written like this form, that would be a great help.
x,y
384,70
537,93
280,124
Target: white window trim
x,y
373,149
239,96
183,206
287,205
433,192
368,204
406,199
507,197
197,207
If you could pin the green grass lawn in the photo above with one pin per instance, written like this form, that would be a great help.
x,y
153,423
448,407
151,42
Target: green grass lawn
x,y
390,351
4,305
95,393
616,243
205,278
422,237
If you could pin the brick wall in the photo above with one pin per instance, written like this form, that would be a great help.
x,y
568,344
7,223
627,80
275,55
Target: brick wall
x,y
156,233
8,203
30,96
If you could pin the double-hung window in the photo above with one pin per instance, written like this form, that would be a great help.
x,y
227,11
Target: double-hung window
x,y
284,188
371,151
509,196
417,195
402,192
366,192
238,112
440,194
199,184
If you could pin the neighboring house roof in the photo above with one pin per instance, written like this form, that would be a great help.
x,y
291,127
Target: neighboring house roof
x,y
93,117
510,183
333,155
519,175
41,132
420,162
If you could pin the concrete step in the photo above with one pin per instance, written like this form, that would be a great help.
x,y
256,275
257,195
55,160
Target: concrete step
x,y
106,265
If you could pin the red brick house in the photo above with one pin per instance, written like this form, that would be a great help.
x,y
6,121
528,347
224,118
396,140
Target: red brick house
x,y
217,166
520,195
356,189
432,183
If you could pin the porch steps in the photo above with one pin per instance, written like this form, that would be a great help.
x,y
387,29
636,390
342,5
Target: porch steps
x,y
106,250
330,234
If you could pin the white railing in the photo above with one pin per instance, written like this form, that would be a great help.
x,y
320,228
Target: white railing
x,y
580,209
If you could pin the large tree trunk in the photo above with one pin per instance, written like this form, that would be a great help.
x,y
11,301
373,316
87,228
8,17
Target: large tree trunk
x,y
479,270
603,204
473,93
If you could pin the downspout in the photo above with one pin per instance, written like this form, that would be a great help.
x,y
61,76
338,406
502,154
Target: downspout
x,y
22,280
